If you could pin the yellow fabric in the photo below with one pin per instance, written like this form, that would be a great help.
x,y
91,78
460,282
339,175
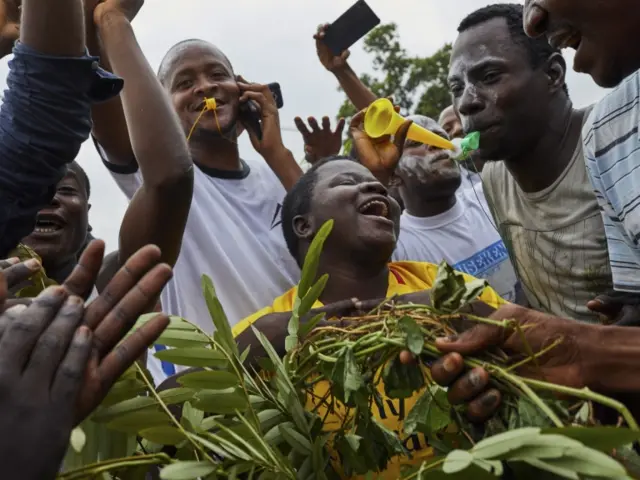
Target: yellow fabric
x,y
404,277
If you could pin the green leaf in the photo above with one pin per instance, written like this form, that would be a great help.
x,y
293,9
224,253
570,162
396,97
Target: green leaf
x,y
164,435
223,401
296,440
124,389
473,290
603,439
223,329
269,418
172,396
307,327
430,414
528,414
134,422
457,461
346,374
209,379
415,338
128,406
182,338
401,380
555,469
450,291
312,260
193,357
312,296
191,417
493,447
78,439
186,470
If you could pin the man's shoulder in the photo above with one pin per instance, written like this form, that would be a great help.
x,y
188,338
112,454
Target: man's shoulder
x,y
616,115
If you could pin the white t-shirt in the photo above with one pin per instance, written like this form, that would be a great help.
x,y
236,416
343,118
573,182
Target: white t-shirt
x,y
234,235
469,178
465,237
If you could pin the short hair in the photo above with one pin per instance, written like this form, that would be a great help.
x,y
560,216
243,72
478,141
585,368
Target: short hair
x,y
298,202
83,177
163,69
538,48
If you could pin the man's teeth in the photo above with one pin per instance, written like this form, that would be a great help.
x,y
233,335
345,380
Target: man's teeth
x,y
375,207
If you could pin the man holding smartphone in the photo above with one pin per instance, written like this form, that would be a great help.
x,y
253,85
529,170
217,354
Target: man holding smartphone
x,y
233,231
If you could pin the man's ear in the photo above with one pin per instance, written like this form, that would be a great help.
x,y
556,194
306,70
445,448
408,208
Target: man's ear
x,y
303,227
556,69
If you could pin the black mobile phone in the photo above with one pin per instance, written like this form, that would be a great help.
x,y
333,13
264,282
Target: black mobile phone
x,y
350,27
250,113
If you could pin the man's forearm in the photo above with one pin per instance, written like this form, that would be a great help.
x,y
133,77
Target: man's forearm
x,y
356,91
611,357
53,28
158,142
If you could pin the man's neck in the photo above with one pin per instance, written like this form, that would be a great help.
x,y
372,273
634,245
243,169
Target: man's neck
x,y
348,280
220,153
423,208
541,166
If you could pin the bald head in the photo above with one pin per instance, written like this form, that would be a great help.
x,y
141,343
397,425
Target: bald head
x,y
451,123
172,57
430,124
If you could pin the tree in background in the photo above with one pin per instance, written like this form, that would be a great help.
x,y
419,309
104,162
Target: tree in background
x,y
417,84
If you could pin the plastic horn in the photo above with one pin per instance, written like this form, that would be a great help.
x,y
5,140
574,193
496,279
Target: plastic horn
x,y
381,119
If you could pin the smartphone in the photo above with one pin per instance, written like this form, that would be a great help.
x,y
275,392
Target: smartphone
x,y
352,25
250,113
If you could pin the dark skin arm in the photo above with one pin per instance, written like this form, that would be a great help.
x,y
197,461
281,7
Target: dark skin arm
x,y
158,211
53,28
356,91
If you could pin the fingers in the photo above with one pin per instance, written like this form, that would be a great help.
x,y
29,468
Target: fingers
x,y
84,274
356,120
484,406
123,356
135,302
51,346
468,386
123,281
446,369
326,124
407,358
475,339
70,374
313,123
23,332
340,127
401,135
319,35
302,128
8,262
18,273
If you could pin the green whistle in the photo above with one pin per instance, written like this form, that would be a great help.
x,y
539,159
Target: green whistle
x,y
469,143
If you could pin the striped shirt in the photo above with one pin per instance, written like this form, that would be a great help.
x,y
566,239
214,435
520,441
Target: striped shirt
x,y
612,154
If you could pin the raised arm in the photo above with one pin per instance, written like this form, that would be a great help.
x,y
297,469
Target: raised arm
x,y
45,116
158,211
356,91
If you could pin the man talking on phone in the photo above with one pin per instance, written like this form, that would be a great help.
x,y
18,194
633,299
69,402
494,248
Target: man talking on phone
x,y
233,231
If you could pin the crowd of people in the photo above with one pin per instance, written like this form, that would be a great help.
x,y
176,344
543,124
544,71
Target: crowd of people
x,y
547,210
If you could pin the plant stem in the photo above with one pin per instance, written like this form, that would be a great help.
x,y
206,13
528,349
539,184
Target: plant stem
x,y
586,394
171,417
98,467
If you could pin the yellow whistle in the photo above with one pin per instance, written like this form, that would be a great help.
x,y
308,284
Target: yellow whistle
x,y
210,104
381,119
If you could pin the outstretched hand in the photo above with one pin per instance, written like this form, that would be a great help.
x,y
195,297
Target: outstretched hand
x,y
320,142
561,365
619,308
58,359
380,155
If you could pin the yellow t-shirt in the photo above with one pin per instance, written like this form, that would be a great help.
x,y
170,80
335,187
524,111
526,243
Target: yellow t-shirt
x,y
404,277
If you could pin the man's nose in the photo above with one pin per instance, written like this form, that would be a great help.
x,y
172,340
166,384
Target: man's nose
x,y
469,103
206,88
374,187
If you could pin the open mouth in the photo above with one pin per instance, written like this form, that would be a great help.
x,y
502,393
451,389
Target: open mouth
x,y
48,224
565,39
375,208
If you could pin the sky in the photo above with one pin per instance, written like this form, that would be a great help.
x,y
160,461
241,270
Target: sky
x,y
271,41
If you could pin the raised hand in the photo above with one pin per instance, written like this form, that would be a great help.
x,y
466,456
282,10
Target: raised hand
x,y
380,156
328,60
43,357
271,141
131,292
320,142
